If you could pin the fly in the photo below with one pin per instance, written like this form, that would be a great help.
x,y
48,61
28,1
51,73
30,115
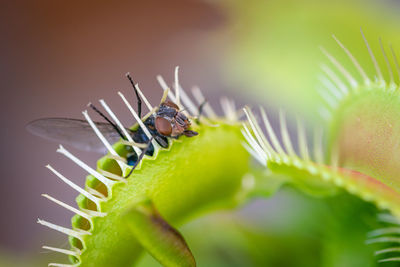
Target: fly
x,y
167,121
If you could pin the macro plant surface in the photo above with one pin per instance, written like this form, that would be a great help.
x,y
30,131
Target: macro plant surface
x,y
118,216
277,39
362,156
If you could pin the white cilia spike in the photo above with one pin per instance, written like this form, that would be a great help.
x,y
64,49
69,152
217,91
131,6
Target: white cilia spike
x,y
262,140
301,135
74,186
388,218
390,259
391,82
68,207
253,153
129,143
331,87
139,121
264,155
117,158
111,175
332,75
208,110
257,156
260,144
96,193
318,152
62,265
355,62
165,87
107,182
396,62
332,102
225,106
232,105
178,92
387,250
324,113
171,95
271,132
177,89
122,165
285,135
384,231
117,121
67,231
342,69
378,70
228,106
188,102
385,239
165,95
63,251
142,96
94,213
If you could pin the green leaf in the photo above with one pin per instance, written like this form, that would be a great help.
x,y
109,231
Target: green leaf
x,y
158,237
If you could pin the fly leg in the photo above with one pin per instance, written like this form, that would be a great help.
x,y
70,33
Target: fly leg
x,y
140,157
139,100
108,120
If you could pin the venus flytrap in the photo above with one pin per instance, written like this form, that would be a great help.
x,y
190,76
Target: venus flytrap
x,y
361,155
117,217
312,174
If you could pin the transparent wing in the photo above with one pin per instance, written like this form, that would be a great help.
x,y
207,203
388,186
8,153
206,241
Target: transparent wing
x,y
74,132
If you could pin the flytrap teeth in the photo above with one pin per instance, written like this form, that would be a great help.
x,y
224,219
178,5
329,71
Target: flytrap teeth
x,y
119,124
107,182
189,107
96,200
334,89
388,218
122,165
267,147
140,122
229,108
388,235
64,230
63,251
68,207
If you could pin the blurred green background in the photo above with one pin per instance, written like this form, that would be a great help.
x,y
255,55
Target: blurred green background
x,y
273,47
58,56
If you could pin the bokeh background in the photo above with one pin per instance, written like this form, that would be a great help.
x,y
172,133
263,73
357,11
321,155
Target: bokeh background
x,y
56,56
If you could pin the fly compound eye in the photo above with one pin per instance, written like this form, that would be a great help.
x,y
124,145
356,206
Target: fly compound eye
x,y
163,126
171,104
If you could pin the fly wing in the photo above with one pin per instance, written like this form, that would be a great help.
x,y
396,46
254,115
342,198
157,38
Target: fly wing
x,y
74,132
